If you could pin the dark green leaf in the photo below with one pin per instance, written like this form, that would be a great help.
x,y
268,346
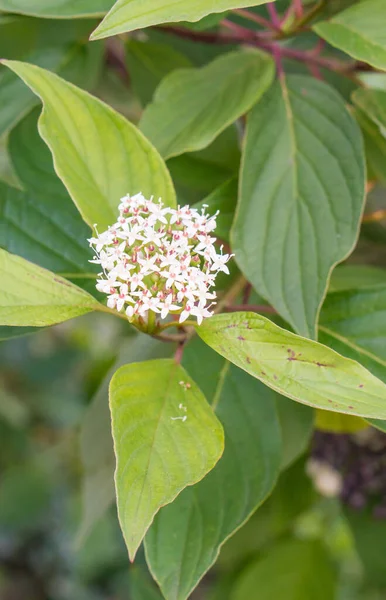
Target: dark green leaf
x,y
188,110
303,150
149,63
57,9
186,536
223,199
359,31
294,570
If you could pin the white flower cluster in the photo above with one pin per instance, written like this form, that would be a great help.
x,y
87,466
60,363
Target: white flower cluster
x,y
159,259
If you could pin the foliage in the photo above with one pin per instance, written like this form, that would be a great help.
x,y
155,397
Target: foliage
x,y
270,117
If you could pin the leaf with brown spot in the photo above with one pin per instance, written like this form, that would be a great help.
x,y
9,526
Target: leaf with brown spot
x,y
319,377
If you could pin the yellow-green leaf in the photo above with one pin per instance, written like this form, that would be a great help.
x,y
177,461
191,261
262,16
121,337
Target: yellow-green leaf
x,y
32,296
166,437
127,15
98,154
301,369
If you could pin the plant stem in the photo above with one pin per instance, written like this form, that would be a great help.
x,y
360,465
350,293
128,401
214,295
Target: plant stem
x,y
275,19
231,294
245,14
298,8
241,35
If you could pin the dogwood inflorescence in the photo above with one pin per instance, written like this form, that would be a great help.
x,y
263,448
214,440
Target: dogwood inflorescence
x,y
159,259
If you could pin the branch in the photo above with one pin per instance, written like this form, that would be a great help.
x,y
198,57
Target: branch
x,y
242,35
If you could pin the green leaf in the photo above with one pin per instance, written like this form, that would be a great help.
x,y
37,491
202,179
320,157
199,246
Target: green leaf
x,y
294,493
373,104
301,369
223,199
303,149
370,541
352,323
297,425
57,9
15,99
96,442
127,15
188,110
294,570
32,296
359,31
358,317
149,63
348,277
375,147
32,162
158,451
186,536
141,585
45,230
97,153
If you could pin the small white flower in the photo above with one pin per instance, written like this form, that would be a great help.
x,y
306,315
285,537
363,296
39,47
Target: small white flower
x,y
159,259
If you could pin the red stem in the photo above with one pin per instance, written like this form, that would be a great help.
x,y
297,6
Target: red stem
x,y
275,19
298,8
245,14
251,38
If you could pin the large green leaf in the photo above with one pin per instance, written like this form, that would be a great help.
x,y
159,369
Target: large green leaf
x,y
188,110
97,153
32,296
357,317
301,369
353,277
186,536
303,150
373,104
297,425
32,161
15,99
127,15
95,438
149,63
293,569
45,232
294,493
166,437
369,535
57,9
352,322
375,146
359,31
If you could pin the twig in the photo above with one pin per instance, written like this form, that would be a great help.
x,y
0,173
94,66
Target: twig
x,y
179,352
298,8
275,19
231,294
245,14
245,36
